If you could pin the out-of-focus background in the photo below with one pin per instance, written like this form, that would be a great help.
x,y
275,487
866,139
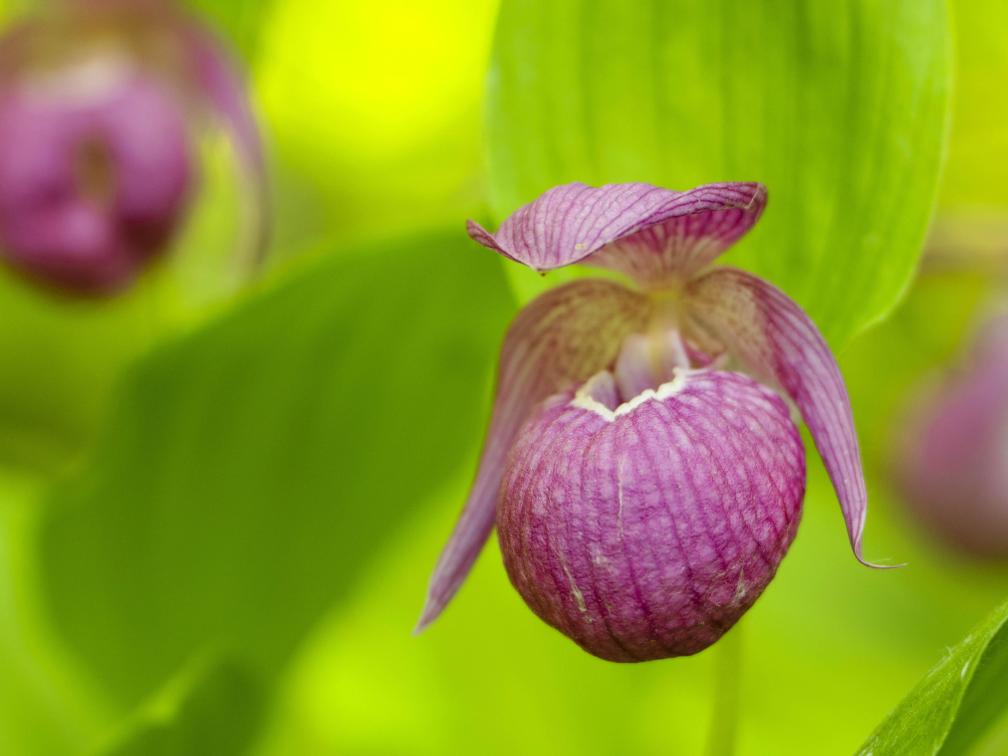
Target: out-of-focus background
x,y
220,503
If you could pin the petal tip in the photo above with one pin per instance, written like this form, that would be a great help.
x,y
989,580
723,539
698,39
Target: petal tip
x,y
749,196
484,238
759,197
858,554
479,234
877,565
441,591
427,616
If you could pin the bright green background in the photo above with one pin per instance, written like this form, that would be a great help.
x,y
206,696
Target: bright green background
x,y
218,511
839,108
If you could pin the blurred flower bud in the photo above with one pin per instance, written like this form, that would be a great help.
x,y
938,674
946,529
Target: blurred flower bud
x,y
92,184
100,107
953,459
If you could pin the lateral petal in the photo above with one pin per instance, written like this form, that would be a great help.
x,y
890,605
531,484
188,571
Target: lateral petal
x,y
649,233
555,343
774,338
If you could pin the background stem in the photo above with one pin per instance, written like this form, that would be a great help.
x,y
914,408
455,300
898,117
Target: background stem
x,y
724,724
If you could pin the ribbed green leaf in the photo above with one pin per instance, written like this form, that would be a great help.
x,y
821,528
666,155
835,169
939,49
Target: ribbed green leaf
x,y
961,697
254,466
840,108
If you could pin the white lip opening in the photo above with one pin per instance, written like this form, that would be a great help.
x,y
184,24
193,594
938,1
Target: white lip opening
x,y
584,398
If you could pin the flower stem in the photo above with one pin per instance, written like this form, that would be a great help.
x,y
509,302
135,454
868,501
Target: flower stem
x,y
724,724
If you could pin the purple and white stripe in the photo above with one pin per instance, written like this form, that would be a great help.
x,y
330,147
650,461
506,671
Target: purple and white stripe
x,y
555,343
778,342
646,531
645,512
653,235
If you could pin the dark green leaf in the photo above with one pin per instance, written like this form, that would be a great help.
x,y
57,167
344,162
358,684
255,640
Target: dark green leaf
x,y
254,466
218,714
840,108
956,703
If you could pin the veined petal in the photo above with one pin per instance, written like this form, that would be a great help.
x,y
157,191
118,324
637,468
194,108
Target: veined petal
x,y
773,336
649,233
556,342
645,530
224,88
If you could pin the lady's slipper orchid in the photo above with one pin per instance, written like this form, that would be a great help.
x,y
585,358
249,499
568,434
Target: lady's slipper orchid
x,y
100,103
644,495
953,459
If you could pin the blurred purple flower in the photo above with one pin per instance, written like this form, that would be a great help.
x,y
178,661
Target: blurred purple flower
x,y
644,495
952,467
100,106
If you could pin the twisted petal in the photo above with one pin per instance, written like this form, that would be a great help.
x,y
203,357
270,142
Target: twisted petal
x,y
771,334
555,343
649,233
645,530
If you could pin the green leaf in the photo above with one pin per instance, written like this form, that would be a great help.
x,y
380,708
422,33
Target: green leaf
x,y
254,466
840,108
219,713
239,21
980,111
42,709
958,700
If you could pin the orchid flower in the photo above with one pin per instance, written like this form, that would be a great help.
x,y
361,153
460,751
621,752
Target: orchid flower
x,y
644,494
100,105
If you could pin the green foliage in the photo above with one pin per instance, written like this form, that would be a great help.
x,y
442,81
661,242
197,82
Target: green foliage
x,y
239,21
840,108
219,714
828,649
209,566
68,354
253,466
959,699
974,178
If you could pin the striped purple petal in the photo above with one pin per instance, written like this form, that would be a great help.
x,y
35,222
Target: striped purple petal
x,y
556,342
652,234
774,338
645,530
